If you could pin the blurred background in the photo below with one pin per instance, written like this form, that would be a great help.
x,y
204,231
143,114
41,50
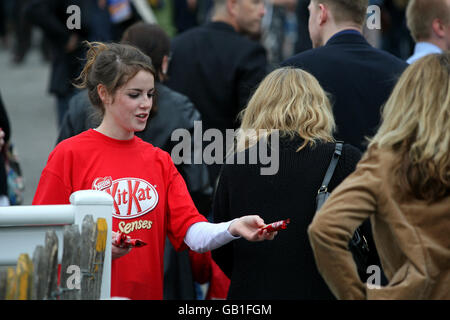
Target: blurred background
x,y
31,110
25,57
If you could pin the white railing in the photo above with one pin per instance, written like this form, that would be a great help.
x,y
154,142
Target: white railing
x,y
22,228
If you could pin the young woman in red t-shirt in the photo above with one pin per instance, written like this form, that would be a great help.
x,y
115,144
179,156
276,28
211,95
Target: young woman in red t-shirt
x,y
150,197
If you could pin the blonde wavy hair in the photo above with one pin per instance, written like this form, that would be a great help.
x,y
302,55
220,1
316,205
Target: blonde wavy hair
x,y
416,125
291,101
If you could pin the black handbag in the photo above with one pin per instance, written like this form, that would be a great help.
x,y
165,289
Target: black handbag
x,y
358,244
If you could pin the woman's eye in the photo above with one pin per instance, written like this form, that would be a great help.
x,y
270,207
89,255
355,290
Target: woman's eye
x,y
150,95
133,95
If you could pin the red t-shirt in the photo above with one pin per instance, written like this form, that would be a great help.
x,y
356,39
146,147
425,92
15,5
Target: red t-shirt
x,y
150,201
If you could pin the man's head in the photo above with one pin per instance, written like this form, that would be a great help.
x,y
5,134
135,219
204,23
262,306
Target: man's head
x,y
244,15
327,17
152,40
429,21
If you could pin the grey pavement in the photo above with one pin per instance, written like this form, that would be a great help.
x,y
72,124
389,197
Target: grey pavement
x,y
32,113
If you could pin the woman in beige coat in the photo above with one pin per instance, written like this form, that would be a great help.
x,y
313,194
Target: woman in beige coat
x,y
403,184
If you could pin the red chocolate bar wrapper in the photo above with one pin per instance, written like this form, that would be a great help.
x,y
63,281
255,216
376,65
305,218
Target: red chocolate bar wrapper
x,y
123,241
276,226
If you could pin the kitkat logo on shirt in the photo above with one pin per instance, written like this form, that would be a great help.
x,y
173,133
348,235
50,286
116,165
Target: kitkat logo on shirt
x,y
132,197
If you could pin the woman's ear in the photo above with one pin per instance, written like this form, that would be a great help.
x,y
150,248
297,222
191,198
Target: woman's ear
x,y
162,74
165,64
103,94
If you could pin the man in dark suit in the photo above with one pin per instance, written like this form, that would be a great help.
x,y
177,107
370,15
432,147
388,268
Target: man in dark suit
x,y
359,77
67,53
217,66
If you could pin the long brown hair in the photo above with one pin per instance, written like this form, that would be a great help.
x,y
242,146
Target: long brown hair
x,y
416,126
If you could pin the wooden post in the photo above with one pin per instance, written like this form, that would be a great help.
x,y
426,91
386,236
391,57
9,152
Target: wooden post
x,y
99,204
102,230
51,248
3,282
40,281
10,284
70,266
24,272
88,238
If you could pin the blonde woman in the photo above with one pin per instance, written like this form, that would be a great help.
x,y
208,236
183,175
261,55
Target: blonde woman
x,y
403,185
292,102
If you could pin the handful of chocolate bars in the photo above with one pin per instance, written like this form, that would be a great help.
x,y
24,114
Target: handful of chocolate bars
x,y
123,241
276,226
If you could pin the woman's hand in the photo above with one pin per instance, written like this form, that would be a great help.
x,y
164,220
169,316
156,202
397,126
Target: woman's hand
x,y
117,252
249,227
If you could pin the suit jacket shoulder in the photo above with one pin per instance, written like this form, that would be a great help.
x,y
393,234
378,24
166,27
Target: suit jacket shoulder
x,y
178,103
359,79
346,50
217,32
217,68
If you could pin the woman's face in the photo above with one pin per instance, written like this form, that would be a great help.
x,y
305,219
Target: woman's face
x,y
128,112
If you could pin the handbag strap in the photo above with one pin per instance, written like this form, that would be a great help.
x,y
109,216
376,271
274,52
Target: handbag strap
x,y
333,163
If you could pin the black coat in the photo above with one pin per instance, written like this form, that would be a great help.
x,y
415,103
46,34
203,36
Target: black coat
x,y
4,124
359,78
218,69
52,17
285,267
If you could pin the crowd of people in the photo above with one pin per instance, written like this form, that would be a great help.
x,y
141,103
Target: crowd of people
x,y
321,97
